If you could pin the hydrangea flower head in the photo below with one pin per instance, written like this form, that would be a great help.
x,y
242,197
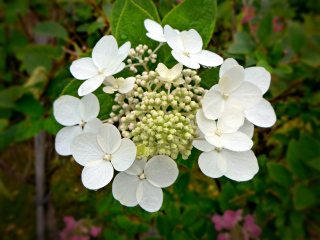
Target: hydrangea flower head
x,y
187,49
106,61
142,182
170,75
78,116
101,153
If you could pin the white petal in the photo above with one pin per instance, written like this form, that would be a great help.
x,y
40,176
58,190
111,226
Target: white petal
x,y
241,166
161,171
85,148
64,138
66,110
259,76
248,95
155,30
207,58
124,50
92,126
124,189
162,70
119,69
203,145
232,79
231,120
105,52
89,107
83,68
176,70
158,38
97,174
215,140
125,155
128,86
149,197
109,81
212,164
185,60
173,39
192,41
207,126
109,138
226,65
262,114
237,141
213,104
108,89
247,128
137,167
90,85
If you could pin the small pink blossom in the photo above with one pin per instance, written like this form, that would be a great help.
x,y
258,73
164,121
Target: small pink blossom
x,y
252,230
277,26
249,13
95,231
79,238
228,220
224,236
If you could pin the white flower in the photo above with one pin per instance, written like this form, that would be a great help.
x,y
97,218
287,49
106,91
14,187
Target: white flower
x,y
224,133
118,84
262,114
100,153
106,61
216,162
170,75
155,30
233,91
186,49
142,182
78,115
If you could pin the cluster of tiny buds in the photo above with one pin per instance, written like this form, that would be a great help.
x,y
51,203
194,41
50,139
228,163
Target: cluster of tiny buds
x,y
158,119
141,54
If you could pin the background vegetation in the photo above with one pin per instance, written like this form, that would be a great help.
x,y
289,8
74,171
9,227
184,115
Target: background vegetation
x,y
39,40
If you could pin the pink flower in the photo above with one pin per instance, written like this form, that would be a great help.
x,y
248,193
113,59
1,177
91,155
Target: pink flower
x,y
277,26
79,238
227,221
250,229
224,236
249,13
95,231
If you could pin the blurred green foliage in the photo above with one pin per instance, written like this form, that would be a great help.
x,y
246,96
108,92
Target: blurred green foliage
x,y
39,40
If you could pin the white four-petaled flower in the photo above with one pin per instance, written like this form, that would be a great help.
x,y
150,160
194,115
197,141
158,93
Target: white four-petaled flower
x,y
233,91
106,61
118,84
224,133
78,116
101,153
170,75
142,182
187,49
216,162
262,114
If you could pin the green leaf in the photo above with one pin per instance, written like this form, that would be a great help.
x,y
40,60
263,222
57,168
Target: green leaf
x,y
32,62
7,136
315,164
29,106
241,48
182,183
93,27
265,27
9,95
280,174
106,100
309,148
265,64
3,124
123,222
52,29
162,225
199,15
42,50
295,163
190,216
297,37
119,5
51,125
303,197
209,77
131,25
28,128
191,159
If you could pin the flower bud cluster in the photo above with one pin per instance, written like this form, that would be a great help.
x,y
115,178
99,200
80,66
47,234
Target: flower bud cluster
x,y
158,119
139,56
